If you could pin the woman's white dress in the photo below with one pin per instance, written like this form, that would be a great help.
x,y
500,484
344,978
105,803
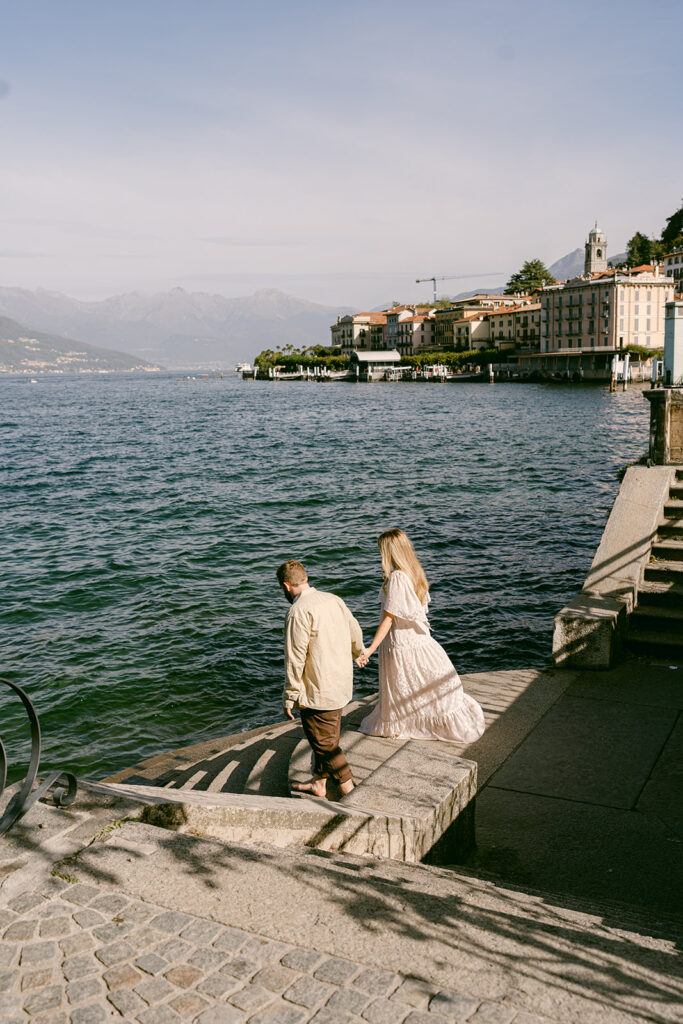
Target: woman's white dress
x,y
420,693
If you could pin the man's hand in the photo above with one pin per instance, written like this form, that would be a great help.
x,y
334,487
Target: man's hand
x,y
288,712
362,660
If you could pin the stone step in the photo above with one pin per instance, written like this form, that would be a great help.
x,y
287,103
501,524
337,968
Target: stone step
x,y
668,551
673,509
398,811
256,761
656,642
670,529
411,795
660,595
364,754
240,791
676,491
663,571
658,618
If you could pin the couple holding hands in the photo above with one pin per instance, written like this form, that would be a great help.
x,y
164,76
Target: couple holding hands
x,y
420,693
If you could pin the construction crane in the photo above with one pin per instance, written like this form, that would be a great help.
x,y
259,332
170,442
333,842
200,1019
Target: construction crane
x,y
453,277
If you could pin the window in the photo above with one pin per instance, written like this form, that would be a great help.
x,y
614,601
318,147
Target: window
x,y
637,310
592,342
635,325
647,328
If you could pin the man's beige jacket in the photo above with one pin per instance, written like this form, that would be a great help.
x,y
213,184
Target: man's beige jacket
x,y
321,639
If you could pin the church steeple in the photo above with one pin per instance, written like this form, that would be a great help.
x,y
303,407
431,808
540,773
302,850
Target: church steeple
x,y
596,252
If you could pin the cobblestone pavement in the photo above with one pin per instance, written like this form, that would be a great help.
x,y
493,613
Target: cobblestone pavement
x,y
79,954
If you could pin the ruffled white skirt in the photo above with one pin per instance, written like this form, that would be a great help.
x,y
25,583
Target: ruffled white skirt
x,y
420,694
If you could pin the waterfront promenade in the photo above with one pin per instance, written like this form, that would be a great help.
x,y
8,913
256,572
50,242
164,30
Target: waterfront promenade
x,y
566,912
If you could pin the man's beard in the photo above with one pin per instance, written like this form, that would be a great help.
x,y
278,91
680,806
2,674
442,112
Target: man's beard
x,y
290,596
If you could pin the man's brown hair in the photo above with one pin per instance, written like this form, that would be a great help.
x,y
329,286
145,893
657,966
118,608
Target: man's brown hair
x,y
291,572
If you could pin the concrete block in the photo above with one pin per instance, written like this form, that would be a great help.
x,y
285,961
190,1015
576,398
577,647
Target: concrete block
x,y
589,631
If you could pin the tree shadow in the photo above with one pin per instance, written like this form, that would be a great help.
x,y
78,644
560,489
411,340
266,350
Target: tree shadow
x,y
525,935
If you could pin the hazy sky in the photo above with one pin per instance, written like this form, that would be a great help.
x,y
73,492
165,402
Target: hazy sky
x,y
336,151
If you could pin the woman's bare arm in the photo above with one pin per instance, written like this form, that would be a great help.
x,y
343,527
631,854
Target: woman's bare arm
x,y
384,627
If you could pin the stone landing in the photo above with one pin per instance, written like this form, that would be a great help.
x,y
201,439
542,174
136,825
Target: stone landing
x,y
413,799
237,789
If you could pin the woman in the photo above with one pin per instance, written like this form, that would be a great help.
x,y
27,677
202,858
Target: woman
x,y
420,693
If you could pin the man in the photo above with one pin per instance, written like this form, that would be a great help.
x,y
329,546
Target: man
x,y
321,639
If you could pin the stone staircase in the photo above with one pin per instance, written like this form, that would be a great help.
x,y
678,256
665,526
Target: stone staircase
x,y
656,623
238,789
261,761
413,799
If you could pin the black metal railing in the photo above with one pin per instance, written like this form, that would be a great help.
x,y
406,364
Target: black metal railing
x,y
61,785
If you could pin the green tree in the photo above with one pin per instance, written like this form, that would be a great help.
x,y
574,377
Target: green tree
x,y
642,249
534,274
673,231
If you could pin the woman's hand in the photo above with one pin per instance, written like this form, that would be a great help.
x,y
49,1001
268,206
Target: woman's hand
x,y
362,660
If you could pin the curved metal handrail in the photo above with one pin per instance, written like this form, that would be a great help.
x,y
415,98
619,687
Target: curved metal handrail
x,y
25,797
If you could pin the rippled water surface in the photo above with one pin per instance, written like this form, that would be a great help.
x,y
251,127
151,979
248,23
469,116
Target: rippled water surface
x,y
142,519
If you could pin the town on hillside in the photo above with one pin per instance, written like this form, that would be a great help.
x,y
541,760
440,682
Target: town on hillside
x,y
579,329
569,329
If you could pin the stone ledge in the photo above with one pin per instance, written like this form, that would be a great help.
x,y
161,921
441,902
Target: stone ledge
x,y
589,631
400,812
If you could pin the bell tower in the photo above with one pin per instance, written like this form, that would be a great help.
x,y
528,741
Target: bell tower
x,y
596,252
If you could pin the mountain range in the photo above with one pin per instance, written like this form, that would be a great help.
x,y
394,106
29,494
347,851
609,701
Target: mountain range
x,y
177,328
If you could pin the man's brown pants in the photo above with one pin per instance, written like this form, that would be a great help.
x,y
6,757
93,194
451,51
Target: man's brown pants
x,y
322,729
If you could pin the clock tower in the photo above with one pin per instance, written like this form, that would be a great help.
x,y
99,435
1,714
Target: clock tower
x,y
596,252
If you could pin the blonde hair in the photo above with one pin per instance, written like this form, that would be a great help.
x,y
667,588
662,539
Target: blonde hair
x,y
398,553
291,572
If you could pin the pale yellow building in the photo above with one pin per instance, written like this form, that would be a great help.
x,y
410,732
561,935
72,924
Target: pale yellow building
x,y
586,320
450,327
472,332
359,331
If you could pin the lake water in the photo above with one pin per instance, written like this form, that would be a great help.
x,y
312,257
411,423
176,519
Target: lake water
x,y
142,518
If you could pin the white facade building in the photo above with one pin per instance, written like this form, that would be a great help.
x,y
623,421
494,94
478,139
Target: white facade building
x,y
673,345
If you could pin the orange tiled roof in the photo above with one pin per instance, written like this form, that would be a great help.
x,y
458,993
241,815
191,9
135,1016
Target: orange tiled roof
x,y
473,316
